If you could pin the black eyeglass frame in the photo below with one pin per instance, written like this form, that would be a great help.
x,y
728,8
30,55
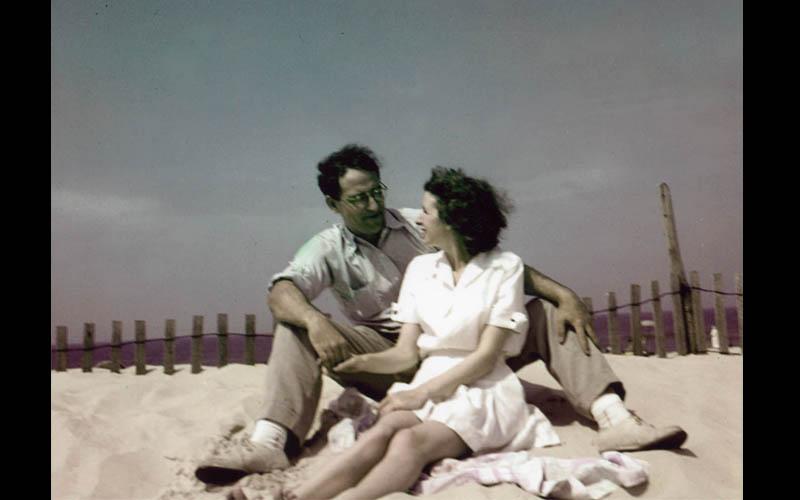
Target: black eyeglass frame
x,y
361,200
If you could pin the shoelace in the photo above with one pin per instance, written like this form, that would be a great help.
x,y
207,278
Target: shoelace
x,y
638,419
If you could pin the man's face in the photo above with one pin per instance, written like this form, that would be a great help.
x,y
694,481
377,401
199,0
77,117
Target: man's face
x,y
360,205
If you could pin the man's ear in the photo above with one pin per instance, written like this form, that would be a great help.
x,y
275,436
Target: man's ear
x,y
331,204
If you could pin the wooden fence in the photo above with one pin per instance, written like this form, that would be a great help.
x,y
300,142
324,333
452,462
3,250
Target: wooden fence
x,y
683,342
687,339
169,339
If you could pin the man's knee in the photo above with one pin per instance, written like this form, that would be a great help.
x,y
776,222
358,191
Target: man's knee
x,y
537,310
292,338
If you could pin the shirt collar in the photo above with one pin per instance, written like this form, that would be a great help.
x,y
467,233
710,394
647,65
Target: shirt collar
x,y
391,223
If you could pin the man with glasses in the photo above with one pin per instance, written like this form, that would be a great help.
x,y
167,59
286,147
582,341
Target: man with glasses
x,y
362,261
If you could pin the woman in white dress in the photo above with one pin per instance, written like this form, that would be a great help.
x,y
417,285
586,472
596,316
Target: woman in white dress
x,y
462,313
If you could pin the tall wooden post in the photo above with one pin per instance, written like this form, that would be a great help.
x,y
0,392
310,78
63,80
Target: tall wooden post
x,y
676,267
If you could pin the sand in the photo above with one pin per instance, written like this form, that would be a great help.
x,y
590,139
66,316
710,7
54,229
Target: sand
x,y
123,436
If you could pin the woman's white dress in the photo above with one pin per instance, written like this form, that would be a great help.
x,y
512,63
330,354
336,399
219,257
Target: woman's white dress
x,y
490,414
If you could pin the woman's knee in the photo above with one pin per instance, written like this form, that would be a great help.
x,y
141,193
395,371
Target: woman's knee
x,y
406,444
379,432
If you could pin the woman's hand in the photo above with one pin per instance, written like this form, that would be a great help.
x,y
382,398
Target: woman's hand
x,y
404,400
355,364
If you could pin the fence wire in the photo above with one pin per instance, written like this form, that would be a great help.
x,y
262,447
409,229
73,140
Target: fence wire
x,y
145,341
665,294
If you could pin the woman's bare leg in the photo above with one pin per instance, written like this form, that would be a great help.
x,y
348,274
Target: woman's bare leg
x,y
347,469
410,450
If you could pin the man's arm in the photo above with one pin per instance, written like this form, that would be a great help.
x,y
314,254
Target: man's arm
x,y
289,305
570,309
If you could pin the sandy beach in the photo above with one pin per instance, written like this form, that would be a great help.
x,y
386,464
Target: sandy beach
x,y
122,436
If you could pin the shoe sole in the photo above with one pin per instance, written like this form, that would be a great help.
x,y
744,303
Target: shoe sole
x,y
669,442
219,476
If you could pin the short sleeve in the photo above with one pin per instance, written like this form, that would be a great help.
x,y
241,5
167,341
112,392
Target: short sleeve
x,y
308,270
508,310
405,309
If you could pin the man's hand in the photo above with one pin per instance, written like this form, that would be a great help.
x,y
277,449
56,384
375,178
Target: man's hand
x,y
575,313
403,400
330,345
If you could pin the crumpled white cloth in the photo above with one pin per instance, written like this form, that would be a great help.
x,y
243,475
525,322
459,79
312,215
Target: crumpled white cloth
x,y
569,478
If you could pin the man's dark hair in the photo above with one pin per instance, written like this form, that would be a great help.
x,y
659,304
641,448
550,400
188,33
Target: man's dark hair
x,y
336,164
472,207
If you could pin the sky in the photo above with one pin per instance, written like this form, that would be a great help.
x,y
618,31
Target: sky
x,y
185,137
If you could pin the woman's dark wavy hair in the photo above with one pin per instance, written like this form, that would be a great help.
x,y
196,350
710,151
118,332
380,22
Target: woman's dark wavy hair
x,y
336,164
472,207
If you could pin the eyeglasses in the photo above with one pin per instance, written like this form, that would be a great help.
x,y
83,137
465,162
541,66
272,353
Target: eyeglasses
x,y
361,200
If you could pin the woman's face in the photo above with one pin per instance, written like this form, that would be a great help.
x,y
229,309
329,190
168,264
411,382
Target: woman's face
x,y
434,230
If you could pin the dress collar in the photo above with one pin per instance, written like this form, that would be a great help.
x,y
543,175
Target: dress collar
x,y
443,272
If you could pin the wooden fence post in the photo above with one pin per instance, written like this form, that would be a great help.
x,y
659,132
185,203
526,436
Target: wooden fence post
x,y
722,321
61,348
169,347
222,340
678,323
88,347
613,324
197,344
116,345
740,309
141,335
636,320
250,339
677,270
699,320
658,319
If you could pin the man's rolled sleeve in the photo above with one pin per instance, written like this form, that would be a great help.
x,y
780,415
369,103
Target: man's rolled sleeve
x,y
508,310
308,270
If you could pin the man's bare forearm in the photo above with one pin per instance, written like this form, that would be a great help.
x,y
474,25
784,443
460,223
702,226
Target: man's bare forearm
x,y
542,286
289,305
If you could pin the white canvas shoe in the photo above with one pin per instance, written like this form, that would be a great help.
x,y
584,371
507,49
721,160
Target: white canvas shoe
x,y
633,434
243,457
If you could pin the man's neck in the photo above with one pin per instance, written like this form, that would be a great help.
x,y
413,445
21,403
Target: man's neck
x,y
372,239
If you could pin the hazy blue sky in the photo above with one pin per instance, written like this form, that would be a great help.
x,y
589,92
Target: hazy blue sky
x,y
185,137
